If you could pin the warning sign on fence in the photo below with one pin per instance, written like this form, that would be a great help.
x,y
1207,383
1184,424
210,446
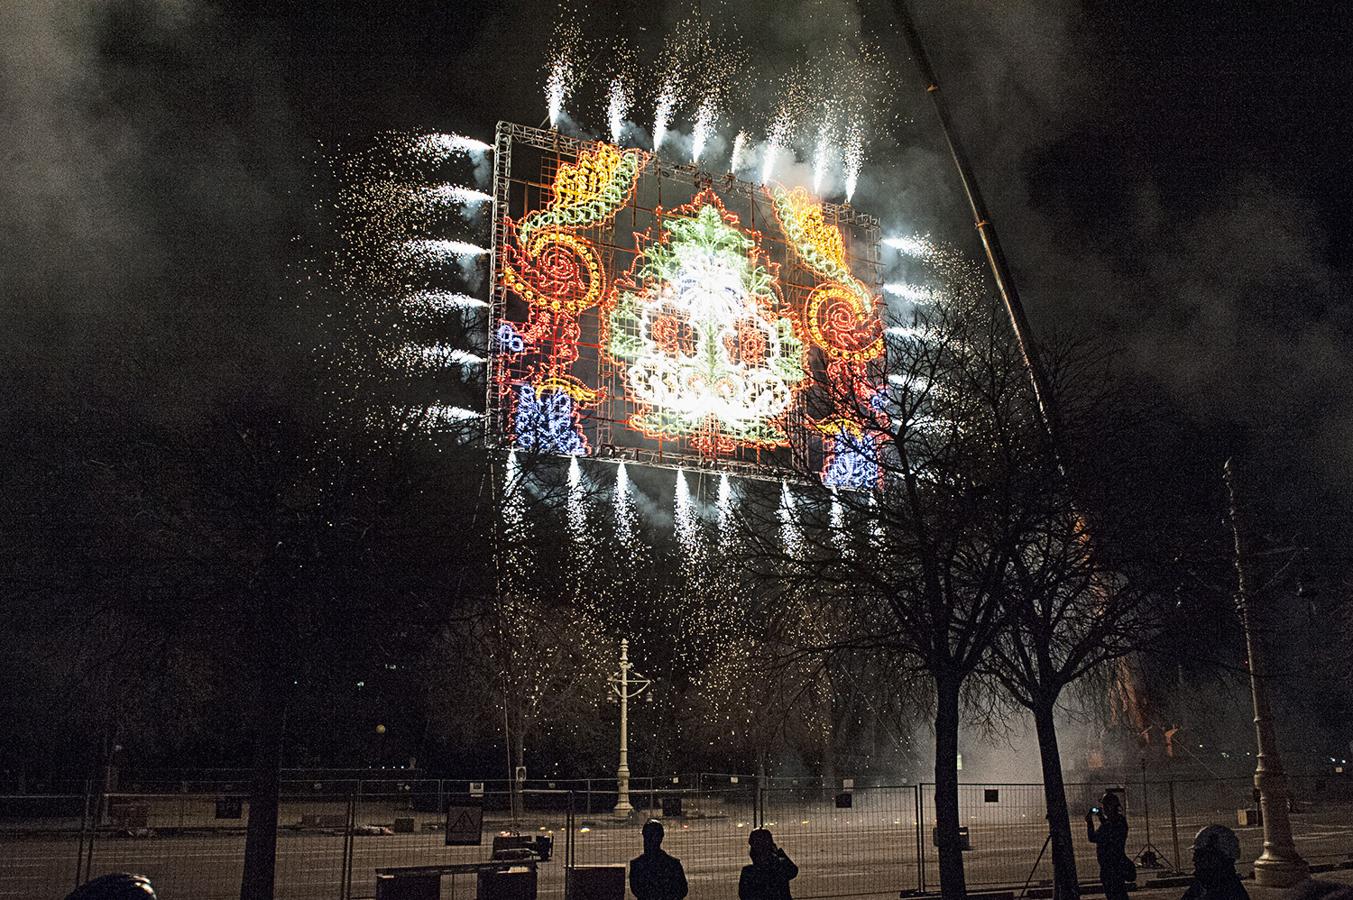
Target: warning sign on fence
x,y
464,823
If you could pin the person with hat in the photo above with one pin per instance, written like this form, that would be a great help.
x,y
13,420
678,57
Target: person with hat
x,y
656,874
1110,840
1215,852
771,870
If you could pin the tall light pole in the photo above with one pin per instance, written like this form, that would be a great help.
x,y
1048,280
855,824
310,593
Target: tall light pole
x,y
625,684
1279,865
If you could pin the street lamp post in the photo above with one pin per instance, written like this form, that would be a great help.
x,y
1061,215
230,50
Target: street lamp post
x,y
625,684
1279,865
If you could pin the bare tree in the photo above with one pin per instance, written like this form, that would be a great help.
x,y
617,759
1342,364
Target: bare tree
x,y
917,570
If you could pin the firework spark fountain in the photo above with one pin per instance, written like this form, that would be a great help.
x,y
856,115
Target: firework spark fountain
x,y
790,535
562,72
837,525
514,501
725,506
438,356
662,111
577,505
909,245
442,145
705,116
617,107
457,194
905,332
820,157
739,149
912,293
853,157
776,138
687,525
429,303
442,417
625,526
438,250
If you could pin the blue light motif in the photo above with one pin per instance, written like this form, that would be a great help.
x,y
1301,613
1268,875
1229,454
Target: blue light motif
x,y
547,422
509,340
852,463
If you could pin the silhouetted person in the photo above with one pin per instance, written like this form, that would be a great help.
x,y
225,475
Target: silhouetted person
x,y
768,876
1215,851
656,874
1110,841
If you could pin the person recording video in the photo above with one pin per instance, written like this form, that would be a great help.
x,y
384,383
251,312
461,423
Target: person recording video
x,y
1110,840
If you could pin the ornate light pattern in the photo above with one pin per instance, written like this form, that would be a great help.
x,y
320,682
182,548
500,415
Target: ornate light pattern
x,y
842,318
558,274
711,354
676,332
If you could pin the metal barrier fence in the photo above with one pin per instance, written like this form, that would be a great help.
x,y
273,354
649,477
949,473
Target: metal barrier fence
x,y
871,841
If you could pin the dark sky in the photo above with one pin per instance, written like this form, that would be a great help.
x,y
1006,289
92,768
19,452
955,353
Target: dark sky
x,y
1171,178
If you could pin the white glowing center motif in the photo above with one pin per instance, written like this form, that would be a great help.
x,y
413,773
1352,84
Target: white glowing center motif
x,y
709,355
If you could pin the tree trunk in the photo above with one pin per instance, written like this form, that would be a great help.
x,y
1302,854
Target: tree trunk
x,y
260,841
952,886
1066,885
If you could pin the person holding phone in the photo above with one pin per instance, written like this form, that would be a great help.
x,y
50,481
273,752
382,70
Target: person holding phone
x,y
771,870
1110,840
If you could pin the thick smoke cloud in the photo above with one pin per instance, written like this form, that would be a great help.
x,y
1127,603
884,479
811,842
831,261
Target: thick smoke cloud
x,y
145,209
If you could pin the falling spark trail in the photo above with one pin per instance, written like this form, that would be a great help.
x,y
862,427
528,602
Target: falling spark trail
x,y
684,515
662,113
725,506
905,331
577,504
739,147
704,125
443,301
913,293
514,503
875,523
624,509
436,248
617,105
840,537
910,246
790,535
454,193
446,144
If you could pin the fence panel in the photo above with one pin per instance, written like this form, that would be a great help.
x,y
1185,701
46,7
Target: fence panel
x,y
334,835
41,843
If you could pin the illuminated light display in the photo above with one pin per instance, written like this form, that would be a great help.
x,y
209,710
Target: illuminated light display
x,y
843,320
852,461
667,317
711,354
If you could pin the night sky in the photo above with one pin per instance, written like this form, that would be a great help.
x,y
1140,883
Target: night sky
x,y
1169,179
